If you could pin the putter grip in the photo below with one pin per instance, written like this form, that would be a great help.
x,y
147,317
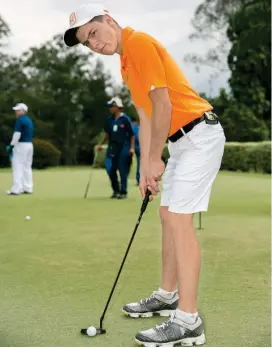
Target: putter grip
x,y
145,201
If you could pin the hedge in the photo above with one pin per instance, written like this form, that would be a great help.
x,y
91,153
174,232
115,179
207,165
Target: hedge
x,y
45,154
244,157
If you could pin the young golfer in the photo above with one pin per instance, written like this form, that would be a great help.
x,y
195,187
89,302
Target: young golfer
x,y
168,108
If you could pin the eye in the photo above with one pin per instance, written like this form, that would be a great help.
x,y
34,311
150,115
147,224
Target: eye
x,y
93,33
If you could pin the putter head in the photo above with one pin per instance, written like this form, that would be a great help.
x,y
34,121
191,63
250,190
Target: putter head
x,y
98,331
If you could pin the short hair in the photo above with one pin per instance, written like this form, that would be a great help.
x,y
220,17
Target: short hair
x,y
100,19
97,19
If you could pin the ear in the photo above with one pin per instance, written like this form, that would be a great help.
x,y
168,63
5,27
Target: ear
x,y
108,19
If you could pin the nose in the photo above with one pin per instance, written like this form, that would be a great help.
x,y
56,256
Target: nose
x,y
94,45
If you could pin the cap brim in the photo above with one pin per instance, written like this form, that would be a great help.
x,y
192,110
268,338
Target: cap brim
x,y
70,38
110,105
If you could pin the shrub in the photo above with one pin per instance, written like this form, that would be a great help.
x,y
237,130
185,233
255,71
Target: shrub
x,y
100,159
247,157
244,157
45,154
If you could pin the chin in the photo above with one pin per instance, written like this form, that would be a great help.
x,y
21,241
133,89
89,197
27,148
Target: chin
x,y
108,52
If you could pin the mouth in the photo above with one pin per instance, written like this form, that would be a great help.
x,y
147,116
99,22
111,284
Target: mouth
x,y
102,49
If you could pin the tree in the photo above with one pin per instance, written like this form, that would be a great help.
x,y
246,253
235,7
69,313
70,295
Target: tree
x,y
66,90
249,58
241,124
4,34
210,24
6,119
129,108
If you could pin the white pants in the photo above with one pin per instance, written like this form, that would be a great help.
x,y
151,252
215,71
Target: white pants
x,y
194,162
22,168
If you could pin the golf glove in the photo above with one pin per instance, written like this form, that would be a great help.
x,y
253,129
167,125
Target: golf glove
x,y
9,149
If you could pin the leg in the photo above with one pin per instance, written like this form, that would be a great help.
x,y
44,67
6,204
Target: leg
x,y
28,178
112,173
17,169
195,173
165,300
123,166
187,251
169,267
169,271
137,152
198,159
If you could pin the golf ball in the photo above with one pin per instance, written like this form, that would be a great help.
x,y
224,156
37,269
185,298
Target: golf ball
x,y
91,331
27,218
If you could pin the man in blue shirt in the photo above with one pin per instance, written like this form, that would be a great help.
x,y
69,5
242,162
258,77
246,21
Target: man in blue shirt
x,y
21,152
120,136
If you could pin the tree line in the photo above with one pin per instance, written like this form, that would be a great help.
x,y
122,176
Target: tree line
x,y
66,89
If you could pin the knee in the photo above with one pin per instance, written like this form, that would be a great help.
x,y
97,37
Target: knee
x,y
164,215
172,220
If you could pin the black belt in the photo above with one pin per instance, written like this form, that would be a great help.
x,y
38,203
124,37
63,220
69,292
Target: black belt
x,y
187,128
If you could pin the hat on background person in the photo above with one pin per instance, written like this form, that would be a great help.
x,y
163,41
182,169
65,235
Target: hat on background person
x,y
20,106
115,101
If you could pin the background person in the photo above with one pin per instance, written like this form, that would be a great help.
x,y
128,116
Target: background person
x,y
120,136
21,152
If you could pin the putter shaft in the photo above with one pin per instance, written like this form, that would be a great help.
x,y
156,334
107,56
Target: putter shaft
x,y
143,208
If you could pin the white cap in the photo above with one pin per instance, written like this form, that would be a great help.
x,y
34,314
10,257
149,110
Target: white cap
x,y
115,101
20,106
80,17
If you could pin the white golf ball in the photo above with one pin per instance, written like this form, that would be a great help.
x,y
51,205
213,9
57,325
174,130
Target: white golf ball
x,y
27,217
91,331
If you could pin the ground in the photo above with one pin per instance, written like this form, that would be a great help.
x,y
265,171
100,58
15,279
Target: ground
x,y
58,268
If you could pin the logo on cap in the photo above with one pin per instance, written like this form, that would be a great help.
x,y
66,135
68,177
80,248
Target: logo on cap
x,y
72,19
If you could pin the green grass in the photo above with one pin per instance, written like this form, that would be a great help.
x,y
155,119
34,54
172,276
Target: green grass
x,y
57,269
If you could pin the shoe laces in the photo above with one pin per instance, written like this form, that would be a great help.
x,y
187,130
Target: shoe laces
x,y
166,323
146,300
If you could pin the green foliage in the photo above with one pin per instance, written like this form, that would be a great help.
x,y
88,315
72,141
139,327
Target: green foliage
x,y
100,159
240,123
45,154
249,59
244,157
247,157
210,23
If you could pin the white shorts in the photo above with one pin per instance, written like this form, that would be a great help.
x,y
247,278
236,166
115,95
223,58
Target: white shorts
x,y
194,162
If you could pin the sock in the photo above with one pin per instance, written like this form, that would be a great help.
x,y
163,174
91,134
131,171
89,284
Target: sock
x,y
189,318
166,294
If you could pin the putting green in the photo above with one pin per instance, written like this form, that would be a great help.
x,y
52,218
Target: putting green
x,y
57,269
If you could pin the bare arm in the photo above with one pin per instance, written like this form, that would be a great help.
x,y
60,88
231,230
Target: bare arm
x,y
132,142
106,137
144,137
160,121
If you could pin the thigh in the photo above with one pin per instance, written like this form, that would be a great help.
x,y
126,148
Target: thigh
x,y
167,181
196,169
29,156
19,154
108,162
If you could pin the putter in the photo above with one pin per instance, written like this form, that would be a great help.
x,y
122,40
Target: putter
x,y
90,177
100,330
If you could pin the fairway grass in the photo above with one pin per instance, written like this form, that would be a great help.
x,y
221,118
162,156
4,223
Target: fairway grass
x,y
57,269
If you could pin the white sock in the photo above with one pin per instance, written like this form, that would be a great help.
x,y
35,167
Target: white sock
x,y
166,294
189,318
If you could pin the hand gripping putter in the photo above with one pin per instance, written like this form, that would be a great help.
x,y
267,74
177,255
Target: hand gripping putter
x,y
92,331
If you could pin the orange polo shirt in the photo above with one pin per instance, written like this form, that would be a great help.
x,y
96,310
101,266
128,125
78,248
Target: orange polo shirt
x,y
146,65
